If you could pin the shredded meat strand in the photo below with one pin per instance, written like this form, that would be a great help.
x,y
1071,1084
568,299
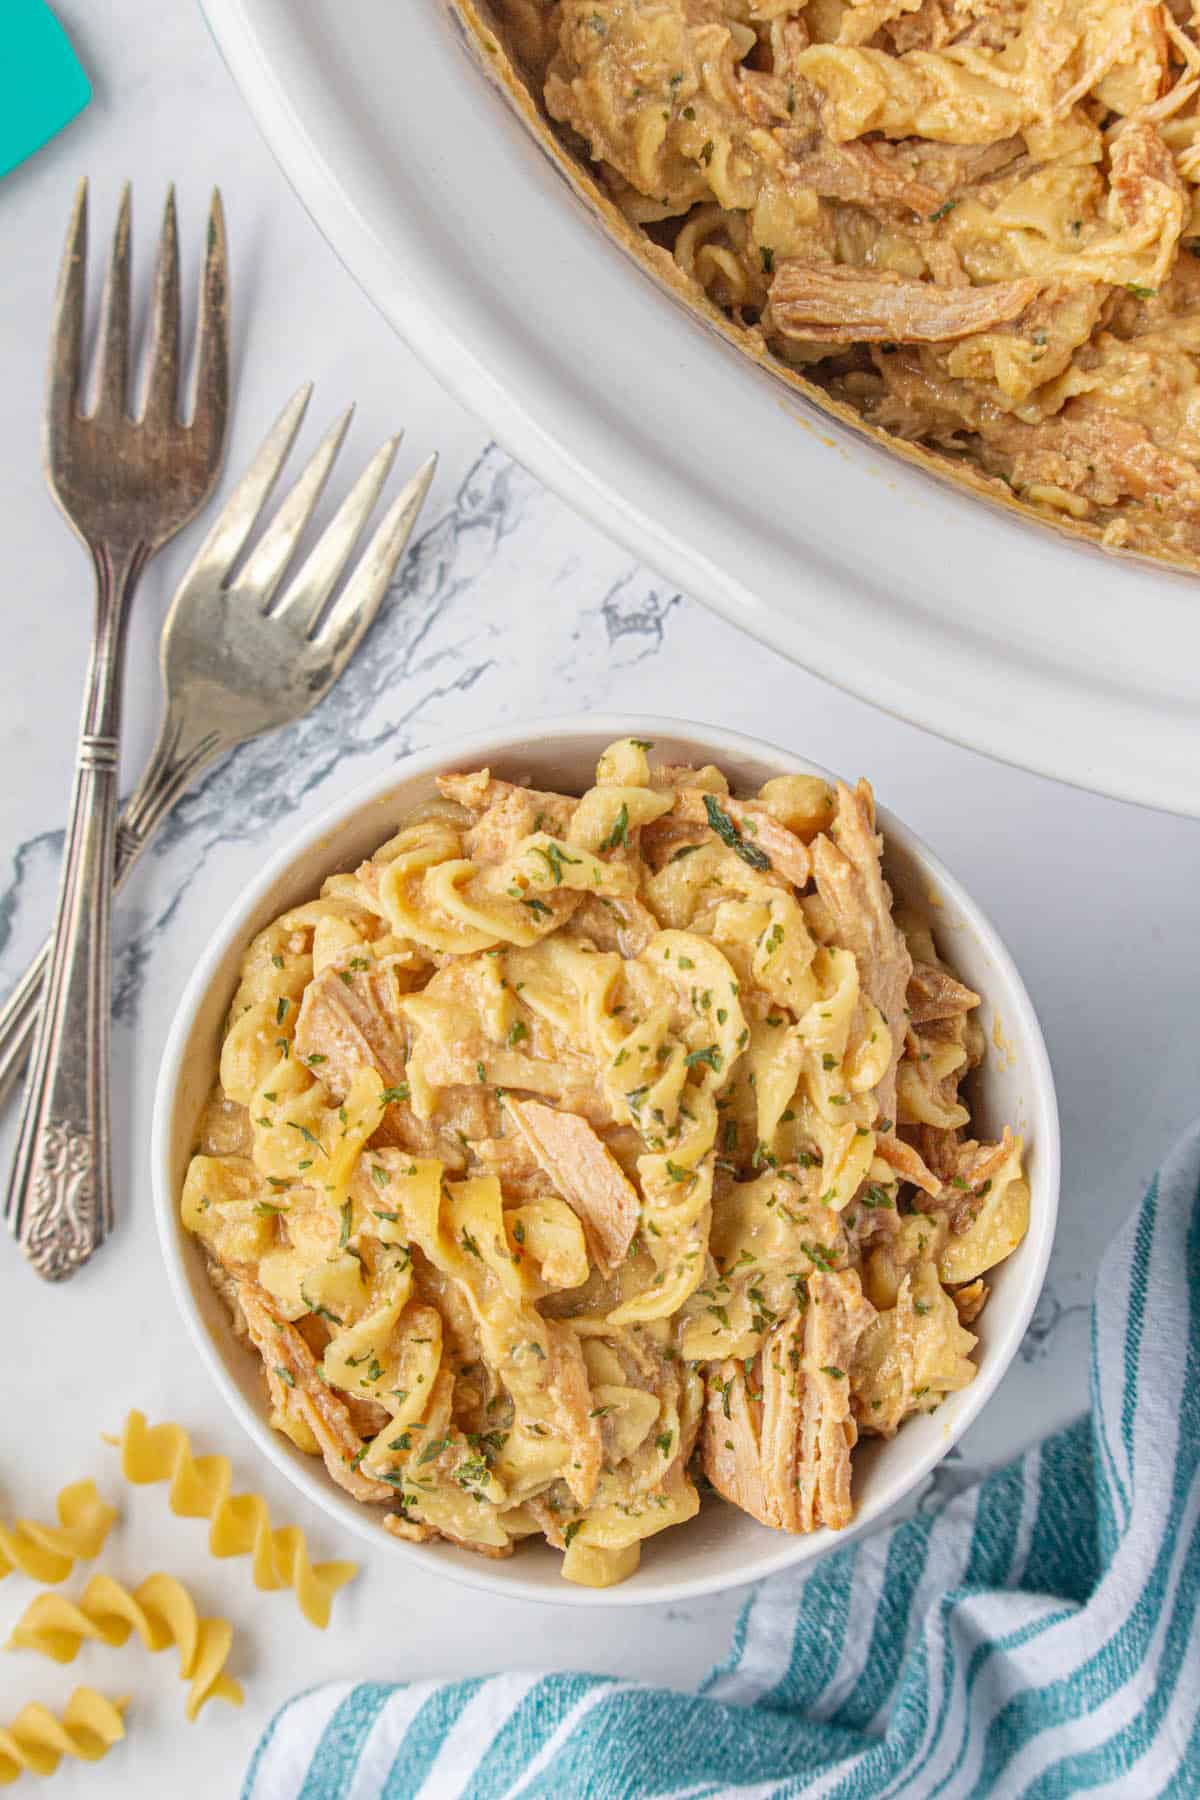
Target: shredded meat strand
x,y
587,1176
835,305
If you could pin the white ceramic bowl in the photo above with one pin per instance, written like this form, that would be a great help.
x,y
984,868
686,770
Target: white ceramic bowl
x,y
722,1547
923,599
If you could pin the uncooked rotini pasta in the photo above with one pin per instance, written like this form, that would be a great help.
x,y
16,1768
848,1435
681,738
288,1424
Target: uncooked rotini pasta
x,y
971,225
569,1148
37,1740
160,1610
48,1553
239,1524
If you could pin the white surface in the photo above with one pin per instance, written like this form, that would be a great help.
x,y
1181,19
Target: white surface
x,y
902,589
510,608
723,1547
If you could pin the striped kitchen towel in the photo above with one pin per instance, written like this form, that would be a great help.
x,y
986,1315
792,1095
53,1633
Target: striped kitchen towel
x,y
1038,1634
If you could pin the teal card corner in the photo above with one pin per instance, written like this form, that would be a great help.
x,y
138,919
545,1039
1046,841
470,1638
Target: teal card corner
x,y
42,82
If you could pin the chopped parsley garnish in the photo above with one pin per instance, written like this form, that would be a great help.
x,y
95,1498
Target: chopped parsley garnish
x,y
555,857
281,1011
571,1529
946,207
729,835
347,1219
538,908
431,1450
285,1375
469,1244
308,1137
710,1055
516,1032
619,835
832,1369
815,1254
392,1095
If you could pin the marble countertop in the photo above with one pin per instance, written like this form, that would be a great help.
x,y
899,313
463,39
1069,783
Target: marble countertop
x,y
509,607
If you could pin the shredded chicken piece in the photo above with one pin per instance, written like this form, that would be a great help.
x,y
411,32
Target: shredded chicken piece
x,y
933,993
780,1448
976,1166
846,863
622,924
862,173
348,1020
969,1301
585,1174
505,814
907,1163
835,305
758,828
570,1391
281,1347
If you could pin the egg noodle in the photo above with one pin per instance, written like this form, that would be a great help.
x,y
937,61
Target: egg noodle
x,y
973,223
571,1151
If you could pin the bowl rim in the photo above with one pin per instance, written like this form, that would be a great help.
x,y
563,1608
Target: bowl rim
x,y
477,750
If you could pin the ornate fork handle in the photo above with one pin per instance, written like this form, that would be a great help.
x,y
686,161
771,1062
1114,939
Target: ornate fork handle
x,y
177,761
60,1191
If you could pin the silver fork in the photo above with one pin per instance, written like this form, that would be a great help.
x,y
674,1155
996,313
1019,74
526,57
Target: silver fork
x,y
240,658
127,486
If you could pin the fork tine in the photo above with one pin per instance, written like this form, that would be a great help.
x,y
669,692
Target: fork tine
x,y
354,610
162,388
66,336
113,386
267,566
212,329
225,542
304,600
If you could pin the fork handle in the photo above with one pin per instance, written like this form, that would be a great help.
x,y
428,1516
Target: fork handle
x,y
19,1014
176,762
60,1191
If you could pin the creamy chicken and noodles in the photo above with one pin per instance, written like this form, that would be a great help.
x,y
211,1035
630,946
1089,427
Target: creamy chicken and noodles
x,y
972,223
572,1151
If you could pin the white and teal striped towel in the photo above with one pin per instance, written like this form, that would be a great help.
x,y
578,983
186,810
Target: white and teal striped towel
x,y
1039,1634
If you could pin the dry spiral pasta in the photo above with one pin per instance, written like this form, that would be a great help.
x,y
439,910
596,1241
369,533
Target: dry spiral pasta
x,y
37,1740
48,1553
240,1524
160,1610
